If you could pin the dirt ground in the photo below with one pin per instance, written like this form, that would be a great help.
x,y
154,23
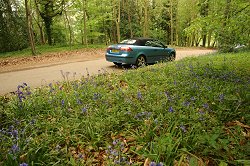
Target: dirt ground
x,y
87,54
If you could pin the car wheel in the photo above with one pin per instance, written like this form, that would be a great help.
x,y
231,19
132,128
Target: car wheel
x,y
172,56
141,61
117,64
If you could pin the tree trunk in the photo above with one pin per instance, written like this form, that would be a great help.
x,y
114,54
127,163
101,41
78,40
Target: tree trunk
x,y
117,14
204,13
171,23
145,25
209,38
30,32
70,30
48,23
176,26
129,21
40,26
85,22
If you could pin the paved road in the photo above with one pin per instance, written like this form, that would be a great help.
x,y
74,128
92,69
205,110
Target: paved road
x,y
44,75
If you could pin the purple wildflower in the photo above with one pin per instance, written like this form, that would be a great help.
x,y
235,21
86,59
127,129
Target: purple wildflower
x,y
139,95
23,164
192,98
152,163
171,109
186,103
96,96
183,128
79,102
201,112
115,142
15,148
11,128
221,97
80,156
206,105
167,95
63,102
33,121
84,110
159,164
15,134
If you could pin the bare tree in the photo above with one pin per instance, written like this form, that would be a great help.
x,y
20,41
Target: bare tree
x,y
30,31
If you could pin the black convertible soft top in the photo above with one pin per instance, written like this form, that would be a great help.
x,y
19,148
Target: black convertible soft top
x,y
142,41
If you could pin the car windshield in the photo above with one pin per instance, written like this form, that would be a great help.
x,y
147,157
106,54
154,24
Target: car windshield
x,y
129,41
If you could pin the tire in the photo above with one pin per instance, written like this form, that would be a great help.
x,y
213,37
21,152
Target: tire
x,y
117,64
141,61
172,56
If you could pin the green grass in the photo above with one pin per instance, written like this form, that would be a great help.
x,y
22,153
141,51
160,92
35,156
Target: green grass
x,y
194,111
42,49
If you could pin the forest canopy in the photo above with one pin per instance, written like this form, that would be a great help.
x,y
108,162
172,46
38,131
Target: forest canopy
x,y
207,23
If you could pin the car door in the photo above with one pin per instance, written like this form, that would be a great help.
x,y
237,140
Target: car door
x,y
150,51
158,51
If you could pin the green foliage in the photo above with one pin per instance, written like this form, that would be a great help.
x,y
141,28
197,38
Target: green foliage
x,y
13,29
192,111
206,23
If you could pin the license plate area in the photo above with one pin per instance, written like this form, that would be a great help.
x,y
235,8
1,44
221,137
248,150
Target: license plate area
x,y
115,51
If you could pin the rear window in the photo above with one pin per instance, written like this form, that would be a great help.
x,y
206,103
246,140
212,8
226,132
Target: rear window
x,y
129,41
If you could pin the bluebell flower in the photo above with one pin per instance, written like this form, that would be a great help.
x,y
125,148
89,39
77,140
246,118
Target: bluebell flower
x,y
19,87
183,128
84,110
15,134
168,95
192,98
96,96
79,102
63,102
114,152
186,103
23,164
33,121
201,112
152,163
221,97
115,142
206,105
11,128
117,162
139,95
159,164
80,156
17,121
15,148
171,109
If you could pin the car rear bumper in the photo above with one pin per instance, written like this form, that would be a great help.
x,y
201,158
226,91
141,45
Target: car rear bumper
x,y
120,59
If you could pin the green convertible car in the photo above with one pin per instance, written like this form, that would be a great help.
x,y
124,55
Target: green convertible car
x,y
139,52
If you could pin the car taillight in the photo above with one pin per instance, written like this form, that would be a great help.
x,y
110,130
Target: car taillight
x,y
109,48
126,49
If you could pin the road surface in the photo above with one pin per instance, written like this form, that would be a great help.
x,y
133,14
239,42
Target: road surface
x,y
43,75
